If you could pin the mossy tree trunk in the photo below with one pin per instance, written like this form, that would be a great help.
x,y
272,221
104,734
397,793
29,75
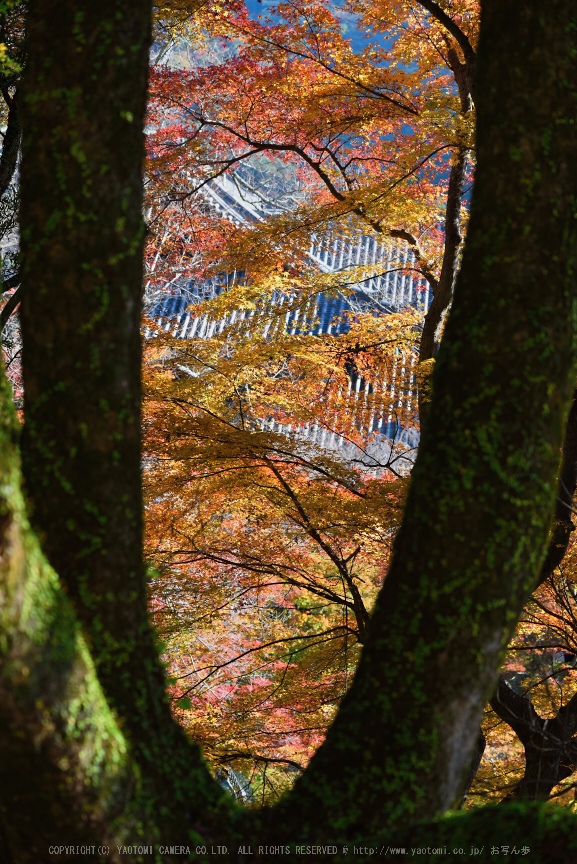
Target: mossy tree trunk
x,y
81,685
82,244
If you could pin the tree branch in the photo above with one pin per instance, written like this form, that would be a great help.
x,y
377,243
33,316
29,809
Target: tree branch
x,y
11,143
454,29
12,303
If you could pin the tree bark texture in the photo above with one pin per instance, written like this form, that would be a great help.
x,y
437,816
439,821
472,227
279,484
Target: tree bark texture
x,y
65,767
82,246
504,698
562,521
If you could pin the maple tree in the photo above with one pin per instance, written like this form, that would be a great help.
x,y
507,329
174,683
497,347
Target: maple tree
x,y
230,601
371,169
270,549
461,569
381,147
296,81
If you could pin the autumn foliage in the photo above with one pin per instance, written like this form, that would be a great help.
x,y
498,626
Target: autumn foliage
x,y
268,546
269,549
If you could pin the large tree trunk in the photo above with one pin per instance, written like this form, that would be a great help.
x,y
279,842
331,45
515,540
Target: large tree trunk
x,y
477,516
82,244
82,251
65,769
